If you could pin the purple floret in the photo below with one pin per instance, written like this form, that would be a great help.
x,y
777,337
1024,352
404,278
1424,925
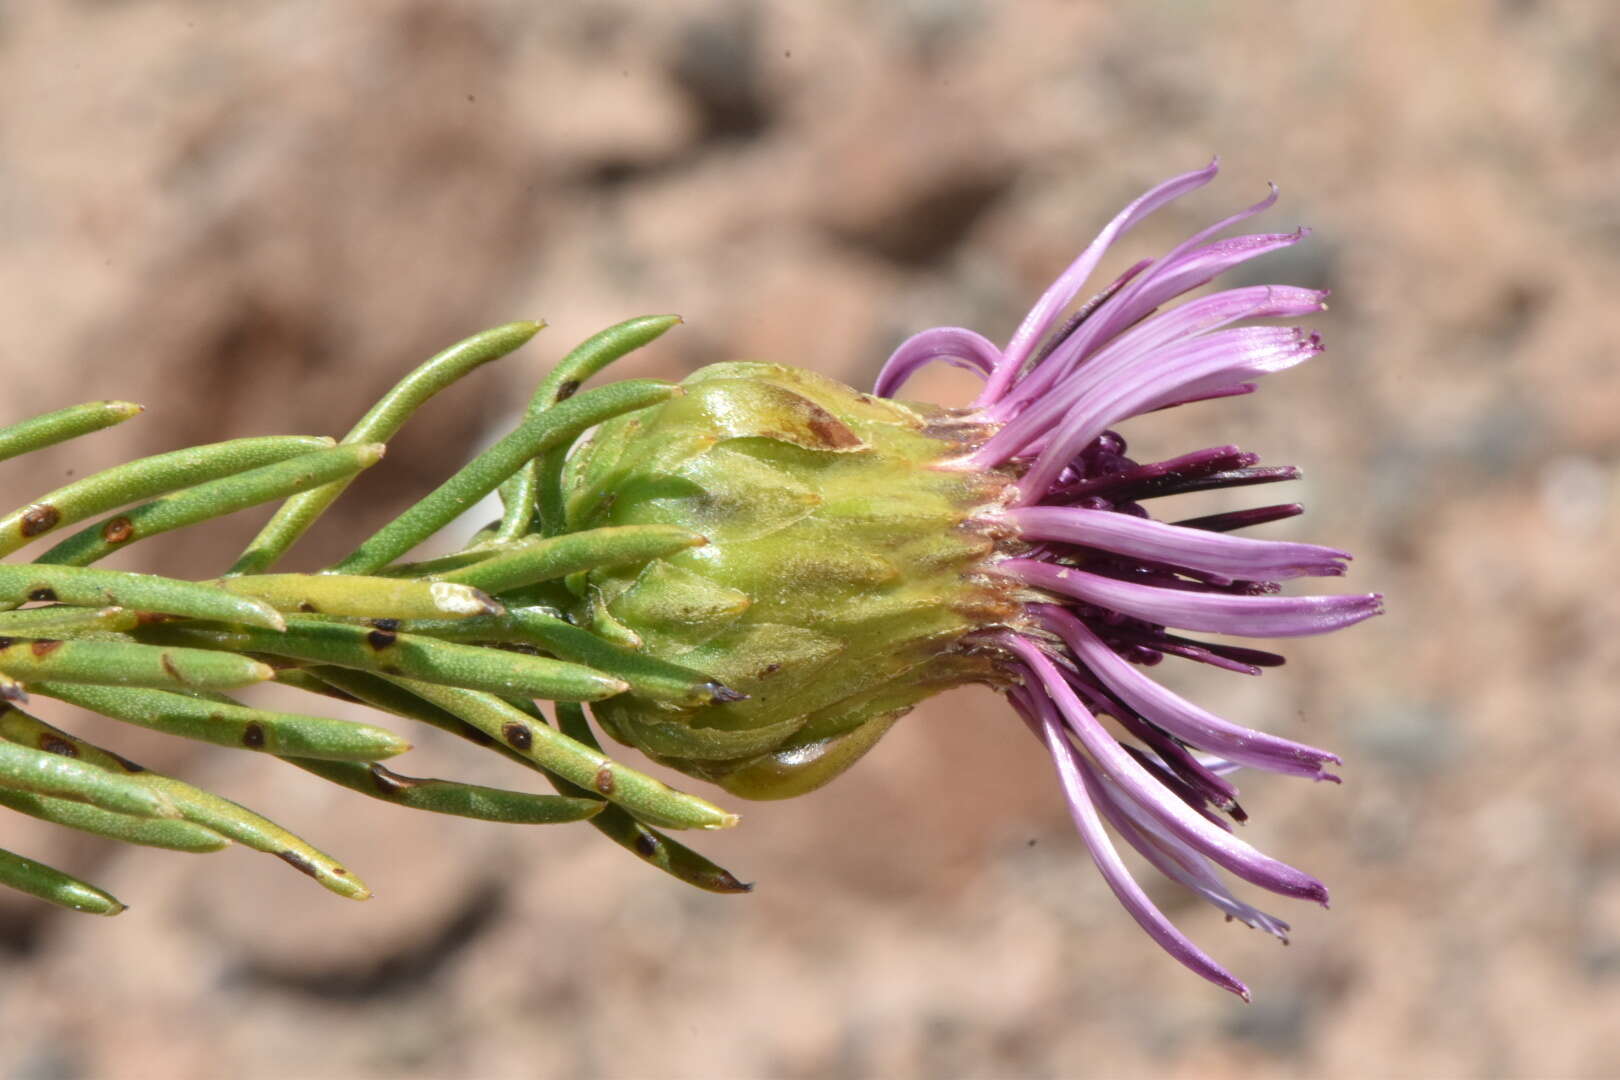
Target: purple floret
x,y
1110,583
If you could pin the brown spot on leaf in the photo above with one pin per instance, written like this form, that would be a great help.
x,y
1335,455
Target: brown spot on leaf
x,y
253,736
6,643
168,666
567,389
517,736
308,608
298,862
118,530
832,431
604,780
126,764
55,744
381,639
390,783
41,517
776,412
390,625
44,647
646,845
42,592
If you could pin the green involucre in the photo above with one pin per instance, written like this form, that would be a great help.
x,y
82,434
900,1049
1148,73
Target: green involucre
x,y
840,581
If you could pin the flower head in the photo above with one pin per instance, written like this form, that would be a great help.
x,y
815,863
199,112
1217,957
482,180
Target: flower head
x,y
861,554
1105,588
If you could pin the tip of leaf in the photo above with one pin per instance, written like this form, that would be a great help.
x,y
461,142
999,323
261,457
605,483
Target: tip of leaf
x,y
726,882
514,335
271,618
455,599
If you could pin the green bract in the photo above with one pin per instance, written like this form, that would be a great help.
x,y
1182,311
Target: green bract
x,y
841,583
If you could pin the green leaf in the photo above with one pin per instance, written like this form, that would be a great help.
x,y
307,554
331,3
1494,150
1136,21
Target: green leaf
x,y
213,499
192,804
645,842
450,797
369,597
55,887
535,485
477,552
547,558
123,663
171,833
614,822
379,425
587,768
50,428
50,772
648,676
556,427
410,655
22,582
60,620
142,479
227,723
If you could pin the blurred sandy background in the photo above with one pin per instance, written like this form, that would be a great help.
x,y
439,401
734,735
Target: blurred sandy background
x,y
253,217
